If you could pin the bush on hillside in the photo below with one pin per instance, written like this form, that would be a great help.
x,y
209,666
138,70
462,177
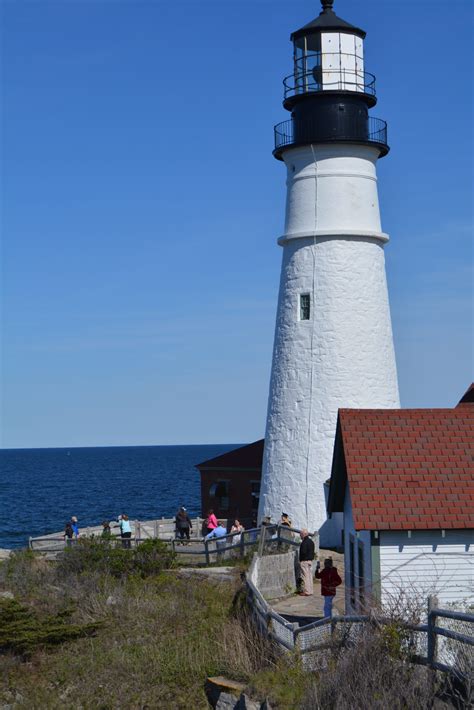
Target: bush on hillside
x,y
23,630
104,556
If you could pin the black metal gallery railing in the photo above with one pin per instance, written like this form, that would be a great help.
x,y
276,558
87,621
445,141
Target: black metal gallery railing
x,y
301,132
330,80
329,71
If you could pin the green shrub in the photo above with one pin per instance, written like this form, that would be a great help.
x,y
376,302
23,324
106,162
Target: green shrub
x,y
104,556
23,631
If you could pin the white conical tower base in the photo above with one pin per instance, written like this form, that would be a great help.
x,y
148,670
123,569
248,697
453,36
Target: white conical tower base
x,y
343,355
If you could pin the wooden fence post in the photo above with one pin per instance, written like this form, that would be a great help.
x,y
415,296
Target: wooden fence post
x,y
206,550
242,545
155,528
261,541
432,639
138,536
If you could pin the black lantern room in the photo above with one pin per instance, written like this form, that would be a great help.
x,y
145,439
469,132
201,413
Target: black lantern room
x,y
329,92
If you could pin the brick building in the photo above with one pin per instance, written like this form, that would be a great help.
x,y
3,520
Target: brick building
x,y
230,483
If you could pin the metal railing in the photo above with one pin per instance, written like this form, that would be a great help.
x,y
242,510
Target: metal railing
x,y
300,132
319,80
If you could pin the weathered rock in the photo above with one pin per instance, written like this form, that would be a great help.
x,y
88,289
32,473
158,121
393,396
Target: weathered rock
x,y
111,601
4,553
218,686
246,703
227,701
7,595
225,694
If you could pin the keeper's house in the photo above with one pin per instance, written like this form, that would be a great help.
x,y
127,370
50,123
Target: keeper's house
x,y
404,480
230,483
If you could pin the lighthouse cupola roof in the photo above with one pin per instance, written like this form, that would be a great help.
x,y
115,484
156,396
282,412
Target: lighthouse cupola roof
x,y
327,21
328,56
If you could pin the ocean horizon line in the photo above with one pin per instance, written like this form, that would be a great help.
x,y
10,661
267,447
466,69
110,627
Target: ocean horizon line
x,y
115,446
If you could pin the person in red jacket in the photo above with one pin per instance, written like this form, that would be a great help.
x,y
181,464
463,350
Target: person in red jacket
x,y
329,581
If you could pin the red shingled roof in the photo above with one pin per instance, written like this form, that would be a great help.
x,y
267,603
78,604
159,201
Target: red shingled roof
x,y
408,469
245,457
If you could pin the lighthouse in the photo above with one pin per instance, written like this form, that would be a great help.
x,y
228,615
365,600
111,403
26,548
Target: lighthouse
x,y
333,342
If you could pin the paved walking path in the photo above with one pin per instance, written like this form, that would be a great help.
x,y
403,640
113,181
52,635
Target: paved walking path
x,y
304,610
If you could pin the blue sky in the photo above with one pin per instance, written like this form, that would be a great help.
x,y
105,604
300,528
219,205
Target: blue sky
x,y
141,206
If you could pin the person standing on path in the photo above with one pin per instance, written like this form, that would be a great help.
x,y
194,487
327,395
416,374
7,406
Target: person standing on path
x,y
106,531
306,560
68,534
125,530
329,581
220,535
211,521
75,527
236,530
183,524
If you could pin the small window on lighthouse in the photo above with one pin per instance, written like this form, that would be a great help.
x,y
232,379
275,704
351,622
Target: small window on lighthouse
x,y
305,306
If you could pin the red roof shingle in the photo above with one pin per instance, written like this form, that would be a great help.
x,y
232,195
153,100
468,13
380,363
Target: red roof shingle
x,y
407,469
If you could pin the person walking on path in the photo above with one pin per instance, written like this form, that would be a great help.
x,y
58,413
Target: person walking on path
x,y
329,581
183,523
306,557
125,530
211,521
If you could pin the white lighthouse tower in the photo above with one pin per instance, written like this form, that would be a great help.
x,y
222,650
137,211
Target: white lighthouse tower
x,y
333,338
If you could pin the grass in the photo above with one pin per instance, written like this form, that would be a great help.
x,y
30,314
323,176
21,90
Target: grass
x,y
100,631
99,639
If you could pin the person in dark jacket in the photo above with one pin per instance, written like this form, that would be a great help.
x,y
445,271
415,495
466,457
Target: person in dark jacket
x,y
306,561
68,534
329,581
183,523
106,531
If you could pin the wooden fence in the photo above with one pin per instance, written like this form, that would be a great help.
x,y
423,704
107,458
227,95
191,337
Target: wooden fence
x,y
204,551
457,659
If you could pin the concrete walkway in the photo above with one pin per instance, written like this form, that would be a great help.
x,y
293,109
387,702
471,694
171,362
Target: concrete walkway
x,y
304,610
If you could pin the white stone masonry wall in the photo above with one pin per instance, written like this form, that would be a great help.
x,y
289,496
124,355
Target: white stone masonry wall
x,y
343,356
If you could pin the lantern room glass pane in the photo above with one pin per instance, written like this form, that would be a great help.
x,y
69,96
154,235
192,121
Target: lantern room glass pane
x,y
307,61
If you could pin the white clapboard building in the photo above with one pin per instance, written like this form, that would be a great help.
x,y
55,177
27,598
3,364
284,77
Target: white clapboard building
x,y
404,481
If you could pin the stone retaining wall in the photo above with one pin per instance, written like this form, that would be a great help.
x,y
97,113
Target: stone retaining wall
x,y
274,575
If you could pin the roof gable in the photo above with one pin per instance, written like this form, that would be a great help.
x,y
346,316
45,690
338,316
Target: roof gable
x,y
407,469
468,396
245,457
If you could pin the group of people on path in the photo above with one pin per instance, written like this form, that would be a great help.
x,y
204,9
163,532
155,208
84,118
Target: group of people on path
x,y
329,575
214,528
71,531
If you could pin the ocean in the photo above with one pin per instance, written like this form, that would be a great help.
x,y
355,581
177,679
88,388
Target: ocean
x,y
40,489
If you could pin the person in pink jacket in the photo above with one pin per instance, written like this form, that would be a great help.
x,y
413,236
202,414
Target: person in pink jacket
x,y
211,521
